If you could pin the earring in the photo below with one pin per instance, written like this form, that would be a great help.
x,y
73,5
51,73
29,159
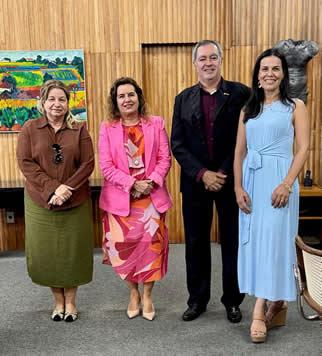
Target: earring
x,y
259,84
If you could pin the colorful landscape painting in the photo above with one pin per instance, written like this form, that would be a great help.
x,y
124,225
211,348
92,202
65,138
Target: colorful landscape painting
x,y
22,73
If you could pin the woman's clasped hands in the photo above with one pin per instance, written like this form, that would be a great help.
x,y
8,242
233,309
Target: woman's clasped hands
x,y
142,187
62,194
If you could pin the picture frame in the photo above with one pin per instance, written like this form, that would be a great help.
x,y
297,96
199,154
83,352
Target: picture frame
x,y
22,73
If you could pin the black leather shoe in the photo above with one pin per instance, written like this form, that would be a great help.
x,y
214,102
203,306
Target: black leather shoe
x,y
193,312
234,314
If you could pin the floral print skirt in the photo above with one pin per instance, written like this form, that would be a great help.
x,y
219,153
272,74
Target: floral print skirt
x,y
137,245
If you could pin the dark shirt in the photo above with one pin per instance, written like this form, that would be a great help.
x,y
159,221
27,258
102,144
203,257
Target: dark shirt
x,y
208,102
36,160
208,108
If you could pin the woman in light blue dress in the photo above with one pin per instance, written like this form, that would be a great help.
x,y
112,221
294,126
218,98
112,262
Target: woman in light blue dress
x,y
267,190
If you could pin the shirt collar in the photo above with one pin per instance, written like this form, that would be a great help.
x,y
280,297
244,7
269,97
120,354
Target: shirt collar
x,y
214,91
43,122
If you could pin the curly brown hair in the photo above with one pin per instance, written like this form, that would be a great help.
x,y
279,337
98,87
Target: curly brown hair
x,y
113,111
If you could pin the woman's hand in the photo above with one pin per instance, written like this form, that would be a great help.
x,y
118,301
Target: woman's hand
x,y
243,200
135,194
64,192
280,196
143,186
56,200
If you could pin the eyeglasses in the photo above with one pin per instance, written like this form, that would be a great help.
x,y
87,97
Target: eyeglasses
x,y
58,158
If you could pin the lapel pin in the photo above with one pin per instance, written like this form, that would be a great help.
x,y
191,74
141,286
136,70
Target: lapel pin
x,y
226,94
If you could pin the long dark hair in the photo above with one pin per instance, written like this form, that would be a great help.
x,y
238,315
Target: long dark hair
x,y
113,110
255,103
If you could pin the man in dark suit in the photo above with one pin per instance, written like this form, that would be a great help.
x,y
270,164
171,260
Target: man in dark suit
x,y
203,139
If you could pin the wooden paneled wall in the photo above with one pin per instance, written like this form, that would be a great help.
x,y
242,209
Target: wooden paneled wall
x,y
151,40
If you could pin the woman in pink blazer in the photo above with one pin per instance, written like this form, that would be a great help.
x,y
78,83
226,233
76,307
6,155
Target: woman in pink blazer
x,y
134,158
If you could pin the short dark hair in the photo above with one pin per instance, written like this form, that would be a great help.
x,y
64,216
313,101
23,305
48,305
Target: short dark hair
x,y
205,43
113,110
256,100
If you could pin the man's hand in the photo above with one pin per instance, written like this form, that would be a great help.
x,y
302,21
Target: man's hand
x,y
214,181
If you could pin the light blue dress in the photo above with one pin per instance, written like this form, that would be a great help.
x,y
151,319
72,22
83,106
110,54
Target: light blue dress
x,y
267,235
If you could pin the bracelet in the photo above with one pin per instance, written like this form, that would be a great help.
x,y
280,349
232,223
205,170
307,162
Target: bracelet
x,y
287,187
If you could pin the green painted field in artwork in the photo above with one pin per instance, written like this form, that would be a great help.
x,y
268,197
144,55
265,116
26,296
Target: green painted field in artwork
x,y
27,79
64,74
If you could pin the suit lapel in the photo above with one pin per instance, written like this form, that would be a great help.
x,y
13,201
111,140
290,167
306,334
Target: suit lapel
x,y
222,97
148,132
117,139
197,115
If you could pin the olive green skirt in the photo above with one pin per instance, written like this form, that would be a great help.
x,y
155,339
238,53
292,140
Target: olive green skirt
x,y
59,244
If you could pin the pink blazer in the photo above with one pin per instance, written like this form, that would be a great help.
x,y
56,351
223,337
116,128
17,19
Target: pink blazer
x,y
115,194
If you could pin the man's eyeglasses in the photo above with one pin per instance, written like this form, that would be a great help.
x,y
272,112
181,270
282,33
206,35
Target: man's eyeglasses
x,y
58,158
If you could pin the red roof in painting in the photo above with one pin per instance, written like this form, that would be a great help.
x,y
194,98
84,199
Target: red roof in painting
x,y
5,85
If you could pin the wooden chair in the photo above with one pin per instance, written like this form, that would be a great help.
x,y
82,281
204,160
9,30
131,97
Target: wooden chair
x,y
308,274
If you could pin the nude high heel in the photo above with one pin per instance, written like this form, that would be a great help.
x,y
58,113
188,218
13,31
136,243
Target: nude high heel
x,y
149,316
133,313
258,334
279,317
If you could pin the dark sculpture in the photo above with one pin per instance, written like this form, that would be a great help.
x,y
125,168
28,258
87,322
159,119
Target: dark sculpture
x,y
297,54
307,179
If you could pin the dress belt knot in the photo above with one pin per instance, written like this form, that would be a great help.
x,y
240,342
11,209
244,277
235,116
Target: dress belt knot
x,y
254,159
